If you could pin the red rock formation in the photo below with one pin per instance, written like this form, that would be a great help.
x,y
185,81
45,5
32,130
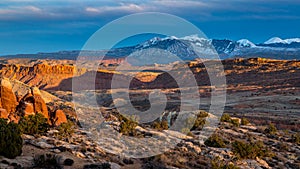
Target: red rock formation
x,y
8,99
39,103
33,103
58,117
30,104
41,75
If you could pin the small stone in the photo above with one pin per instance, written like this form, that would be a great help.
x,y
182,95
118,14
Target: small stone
x,y
80,154
58,117
44,145
56,151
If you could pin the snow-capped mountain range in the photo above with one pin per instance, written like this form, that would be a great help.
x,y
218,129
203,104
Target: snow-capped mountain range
x,y
285,41
191,47
183,47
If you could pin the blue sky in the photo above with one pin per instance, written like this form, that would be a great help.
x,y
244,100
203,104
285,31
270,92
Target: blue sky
x,y
31,26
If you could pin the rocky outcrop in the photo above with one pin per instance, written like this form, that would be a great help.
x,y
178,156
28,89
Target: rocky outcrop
x,y
33,103
41,74
39,103
8,100
13,106
58,117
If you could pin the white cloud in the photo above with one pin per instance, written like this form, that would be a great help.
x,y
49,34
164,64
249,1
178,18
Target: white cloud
x,y
92,10
32,8
179,3
120,8
200,9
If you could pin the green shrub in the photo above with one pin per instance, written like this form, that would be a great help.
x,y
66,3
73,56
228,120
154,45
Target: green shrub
x,y
296,138
225,118
244,121
235,122
216,163
200,120
11,142
65,130
215,141
271,129
127,126
34,124
252,150
163,125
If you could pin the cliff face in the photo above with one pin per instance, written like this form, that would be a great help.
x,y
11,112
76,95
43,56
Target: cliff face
x,y
41,75
58,76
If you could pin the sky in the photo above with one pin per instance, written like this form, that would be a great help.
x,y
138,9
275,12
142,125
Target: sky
x,y
31,26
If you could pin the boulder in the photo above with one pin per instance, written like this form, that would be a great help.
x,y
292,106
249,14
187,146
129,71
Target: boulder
x,y
33,100
8,100
39,103
58,117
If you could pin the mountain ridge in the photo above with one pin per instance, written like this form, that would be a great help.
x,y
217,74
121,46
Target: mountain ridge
x,y
274,48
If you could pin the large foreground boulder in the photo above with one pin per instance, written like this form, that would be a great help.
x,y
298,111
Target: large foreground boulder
x,y
8,100
33,103
58,117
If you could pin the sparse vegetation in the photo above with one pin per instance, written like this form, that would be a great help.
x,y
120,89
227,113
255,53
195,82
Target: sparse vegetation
x,y
271,129
252,150
215,141
163,125
200,120
11,142
296,138
216,163
244,121
225,118
235,122
34,124
65,130
47,161
127,126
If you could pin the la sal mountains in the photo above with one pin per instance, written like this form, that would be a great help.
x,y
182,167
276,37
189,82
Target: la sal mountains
x,y
274,48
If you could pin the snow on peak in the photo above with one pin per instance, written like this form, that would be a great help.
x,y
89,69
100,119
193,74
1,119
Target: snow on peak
x,y
274,40
245,43
289,41
194,37
151,42
279,40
